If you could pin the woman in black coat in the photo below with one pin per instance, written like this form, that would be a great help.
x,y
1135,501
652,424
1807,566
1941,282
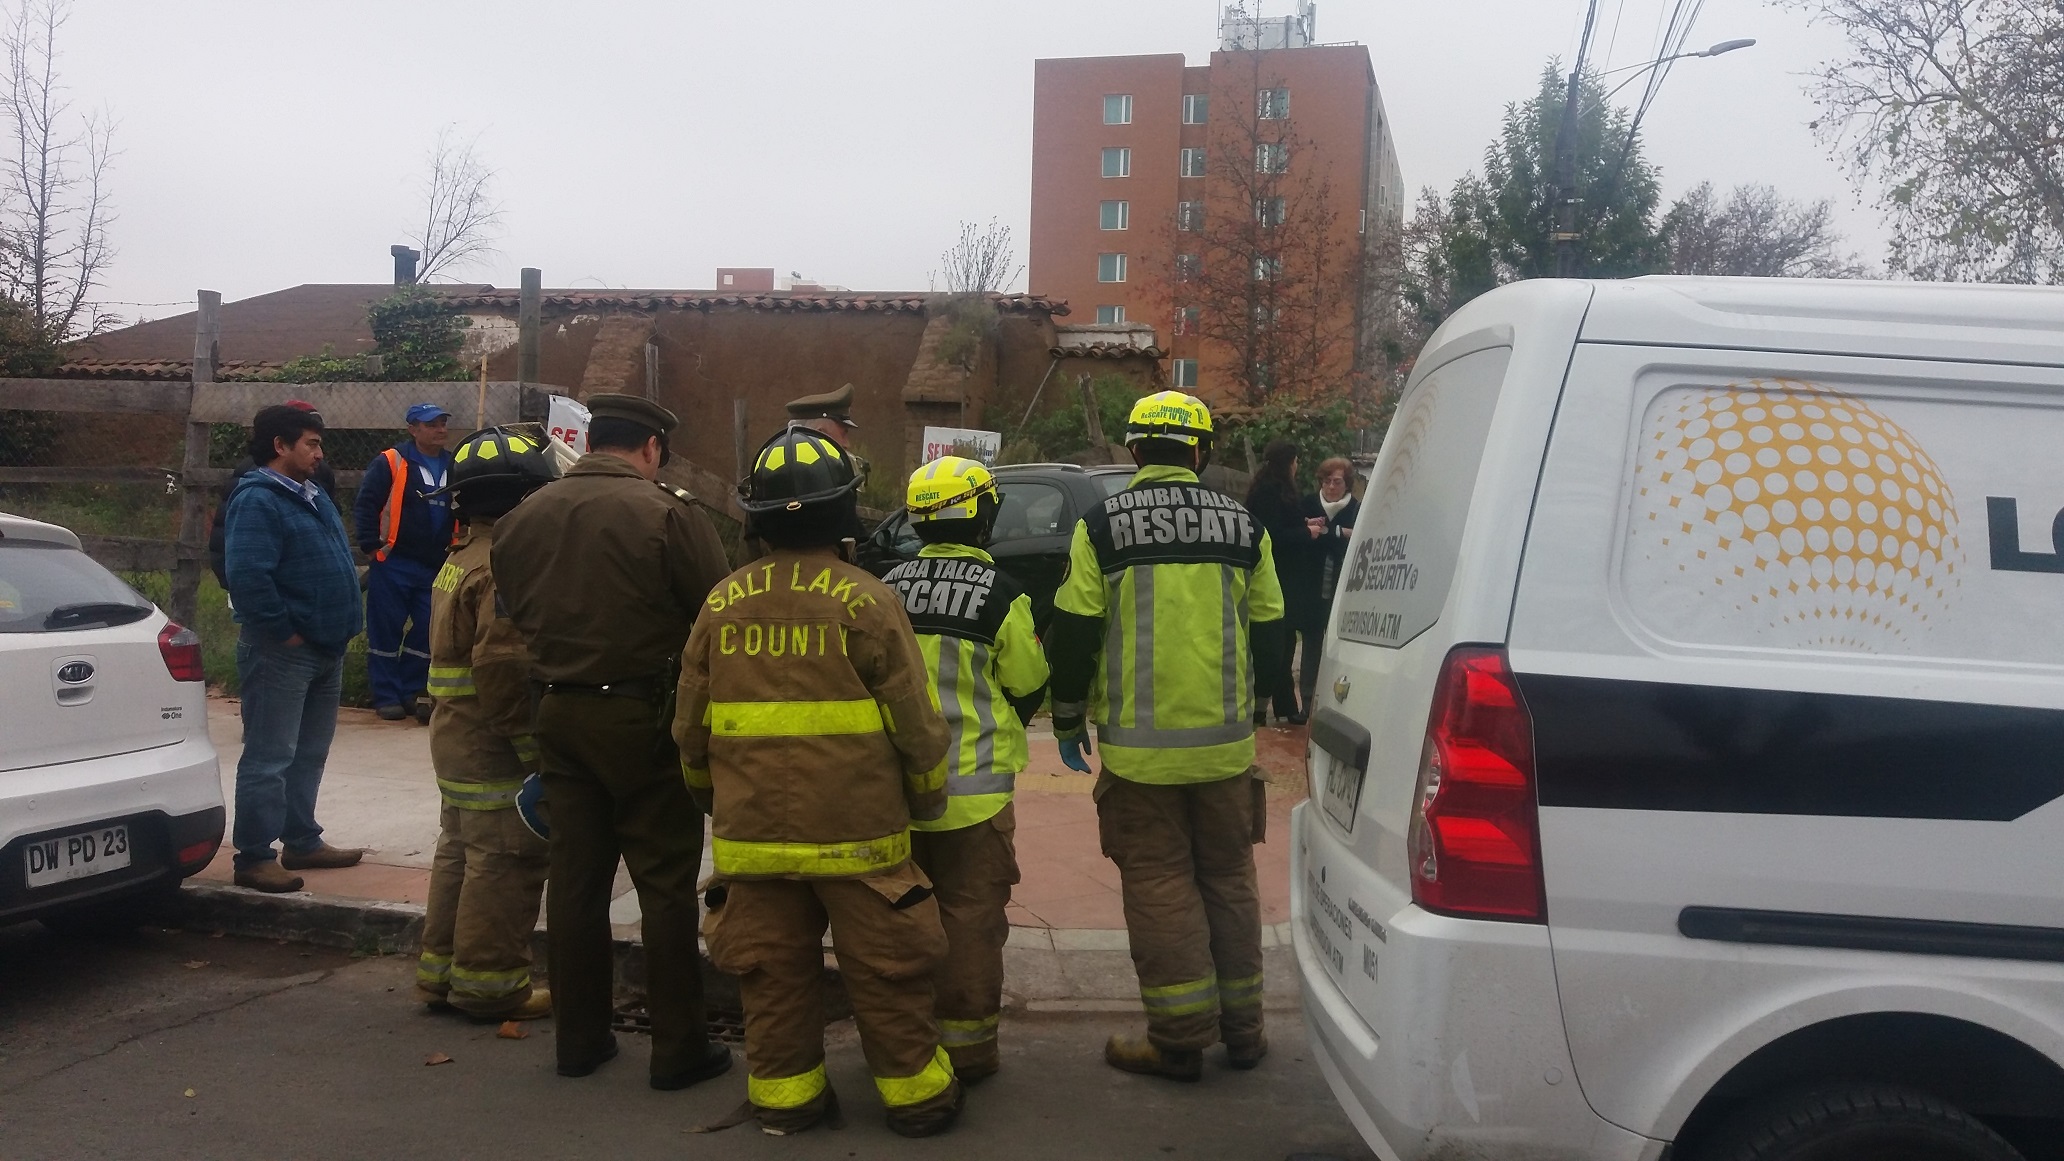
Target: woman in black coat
x,y
1273,501
1330,514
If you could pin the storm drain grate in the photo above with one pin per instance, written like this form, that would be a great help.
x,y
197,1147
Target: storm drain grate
x,y
728,1027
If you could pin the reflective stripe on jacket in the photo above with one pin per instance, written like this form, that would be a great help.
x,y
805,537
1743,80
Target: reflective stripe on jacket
x,y
1176,574
974,626
805,723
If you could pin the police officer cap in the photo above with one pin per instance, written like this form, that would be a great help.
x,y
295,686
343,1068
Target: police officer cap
x,y
635,408
836,405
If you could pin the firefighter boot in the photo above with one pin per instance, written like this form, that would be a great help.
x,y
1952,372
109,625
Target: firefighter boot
x,y
1246,1052
1138,1054
931,1117
823,1109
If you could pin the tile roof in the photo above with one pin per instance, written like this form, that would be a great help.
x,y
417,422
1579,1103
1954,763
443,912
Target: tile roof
x,y
705,300
230,371
1107,351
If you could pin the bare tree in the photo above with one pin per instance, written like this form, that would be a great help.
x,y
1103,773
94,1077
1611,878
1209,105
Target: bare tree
x,y
981,260
1756,232
1957,108
54,206
462,219
1258,268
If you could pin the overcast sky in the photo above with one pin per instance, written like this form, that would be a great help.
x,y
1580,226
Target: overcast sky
x,y
643,144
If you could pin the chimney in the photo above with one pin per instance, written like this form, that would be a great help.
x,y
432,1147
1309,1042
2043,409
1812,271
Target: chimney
x,y
404,264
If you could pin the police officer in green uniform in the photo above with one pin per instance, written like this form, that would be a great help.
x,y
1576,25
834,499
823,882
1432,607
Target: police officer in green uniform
x,y
829,415
603,572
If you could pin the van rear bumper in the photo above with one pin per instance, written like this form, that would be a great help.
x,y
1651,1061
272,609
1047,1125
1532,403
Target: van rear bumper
x,y
1458,1048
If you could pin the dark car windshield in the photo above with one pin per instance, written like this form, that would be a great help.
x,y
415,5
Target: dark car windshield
x,y
1030,508
50,588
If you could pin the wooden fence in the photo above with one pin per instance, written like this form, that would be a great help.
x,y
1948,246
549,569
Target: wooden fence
x,y
205,402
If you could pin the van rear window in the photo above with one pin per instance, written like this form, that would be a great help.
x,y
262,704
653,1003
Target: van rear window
x,y
51,588
1410,532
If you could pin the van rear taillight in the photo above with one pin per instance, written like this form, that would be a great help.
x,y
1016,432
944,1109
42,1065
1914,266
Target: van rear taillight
x,y
1475,845
181,649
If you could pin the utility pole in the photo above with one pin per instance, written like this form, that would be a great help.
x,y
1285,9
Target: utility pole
x,y
1565,234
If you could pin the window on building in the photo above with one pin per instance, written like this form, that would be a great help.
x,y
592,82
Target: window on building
x,y
1110,314
1263,376
1266,315
1118,109
1114,215
1187,266
1189,216
1117,162
1195,106
1186,372
1270,212
1269,104
1363,228
1110,268
1270,157
1193,163
1267,267
1186,319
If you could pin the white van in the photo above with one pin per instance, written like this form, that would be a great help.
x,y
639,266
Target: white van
x,y
1688,773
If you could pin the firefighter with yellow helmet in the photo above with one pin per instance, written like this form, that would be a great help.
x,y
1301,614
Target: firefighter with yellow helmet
x,y
807,730
489,870
986,670
1170,591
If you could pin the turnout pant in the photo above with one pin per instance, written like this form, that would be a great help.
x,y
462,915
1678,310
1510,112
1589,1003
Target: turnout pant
x,y
613,781
1185,858
972,870
485,884
397,628
886,933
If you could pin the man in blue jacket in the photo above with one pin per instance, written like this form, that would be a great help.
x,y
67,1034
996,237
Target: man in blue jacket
x,y
295,589
404,526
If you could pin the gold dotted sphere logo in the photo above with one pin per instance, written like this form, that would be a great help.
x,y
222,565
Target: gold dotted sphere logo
x,y
1801,508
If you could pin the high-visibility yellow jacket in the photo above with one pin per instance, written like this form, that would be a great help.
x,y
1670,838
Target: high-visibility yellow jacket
x,y
1151,629
481,744
985,669
804,722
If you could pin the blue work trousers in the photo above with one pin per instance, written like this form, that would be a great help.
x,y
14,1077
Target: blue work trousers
x,y
289,708
397,629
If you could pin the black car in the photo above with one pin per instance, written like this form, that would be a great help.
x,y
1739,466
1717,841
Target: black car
x,y
1041,503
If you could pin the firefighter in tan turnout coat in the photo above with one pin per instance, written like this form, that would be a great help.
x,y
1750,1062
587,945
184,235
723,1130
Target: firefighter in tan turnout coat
x,y
489,870
806,728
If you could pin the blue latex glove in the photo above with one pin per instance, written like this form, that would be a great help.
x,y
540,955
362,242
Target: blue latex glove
x,y
1072,751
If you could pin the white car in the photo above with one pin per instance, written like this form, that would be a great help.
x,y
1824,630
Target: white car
x,y
110,791
1689,776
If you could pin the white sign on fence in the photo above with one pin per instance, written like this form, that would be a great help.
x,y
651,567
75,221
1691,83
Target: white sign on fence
x,y
961,441
567,422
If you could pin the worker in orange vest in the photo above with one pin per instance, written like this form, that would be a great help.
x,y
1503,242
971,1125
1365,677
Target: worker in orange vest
x,y
404,526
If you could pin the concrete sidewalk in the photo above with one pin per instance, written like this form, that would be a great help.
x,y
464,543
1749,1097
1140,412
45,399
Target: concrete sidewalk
x,y
1067,923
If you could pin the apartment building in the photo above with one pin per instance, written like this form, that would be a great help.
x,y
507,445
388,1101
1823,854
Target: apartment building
x,y
1152,178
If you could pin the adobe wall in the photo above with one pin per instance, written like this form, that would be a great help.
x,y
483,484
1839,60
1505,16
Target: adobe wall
x,y
768,357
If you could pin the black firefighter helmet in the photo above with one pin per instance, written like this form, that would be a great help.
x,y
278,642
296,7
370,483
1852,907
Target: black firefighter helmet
x,y
495,467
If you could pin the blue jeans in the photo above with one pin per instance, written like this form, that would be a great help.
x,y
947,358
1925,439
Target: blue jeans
x,y
398,659
290,698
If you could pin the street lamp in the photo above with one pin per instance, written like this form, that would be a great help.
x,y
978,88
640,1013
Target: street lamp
x,y
1566,234
1724,46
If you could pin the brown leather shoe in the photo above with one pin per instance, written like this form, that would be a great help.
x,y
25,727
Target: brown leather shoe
x,y
268,876
322,858
1138,1054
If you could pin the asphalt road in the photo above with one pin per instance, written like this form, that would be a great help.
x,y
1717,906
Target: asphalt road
x,y
174,1045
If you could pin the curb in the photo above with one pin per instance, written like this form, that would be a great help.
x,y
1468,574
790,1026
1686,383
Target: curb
x,y
1046,970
